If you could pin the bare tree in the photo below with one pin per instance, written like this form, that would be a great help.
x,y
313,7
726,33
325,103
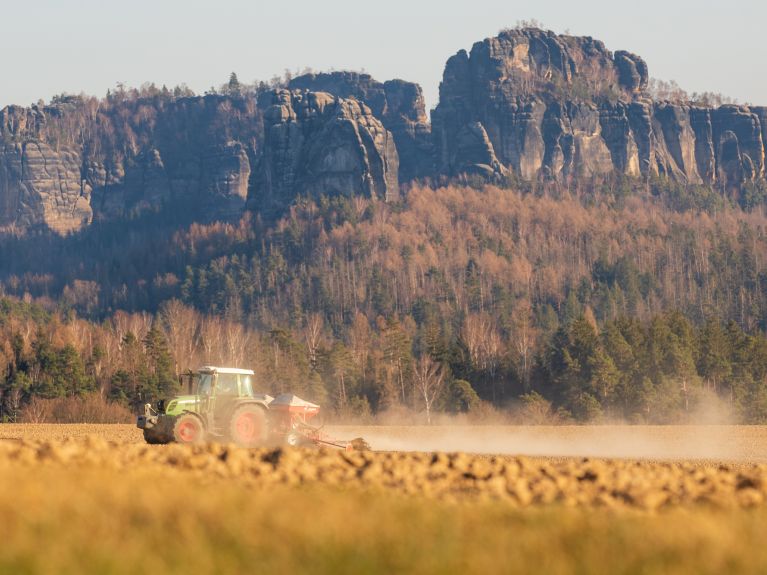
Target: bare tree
x,y
37,410
313,337
181,326
429,380
524,343
361,340
483,342
236,339
211,332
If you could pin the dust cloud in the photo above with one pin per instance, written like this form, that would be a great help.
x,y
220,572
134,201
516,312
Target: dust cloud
x,y
710,431
673,442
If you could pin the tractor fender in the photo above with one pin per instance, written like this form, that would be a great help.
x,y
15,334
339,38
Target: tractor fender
x,y
262,404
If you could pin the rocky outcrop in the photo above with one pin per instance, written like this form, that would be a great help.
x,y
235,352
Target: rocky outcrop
x,y
527,103
398,104
42,186
318,144
213,182
529,90
557,106
65,164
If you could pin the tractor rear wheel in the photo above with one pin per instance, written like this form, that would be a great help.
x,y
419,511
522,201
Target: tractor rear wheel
x,y
247,427
188,429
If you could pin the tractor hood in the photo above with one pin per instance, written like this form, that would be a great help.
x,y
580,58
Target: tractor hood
x,y
181,403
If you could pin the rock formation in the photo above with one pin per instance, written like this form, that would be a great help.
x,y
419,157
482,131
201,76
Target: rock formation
x,y
212,181
318,144
540,104
527,102
39,185
63,165
398,104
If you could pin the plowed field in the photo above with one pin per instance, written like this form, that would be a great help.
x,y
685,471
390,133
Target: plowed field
x,y
79,499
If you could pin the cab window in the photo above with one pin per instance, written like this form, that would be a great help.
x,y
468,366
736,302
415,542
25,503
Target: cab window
x,y
206,380
246,386
227,384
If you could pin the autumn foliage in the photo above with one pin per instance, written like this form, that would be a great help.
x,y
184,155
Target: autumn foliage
x,y
594,302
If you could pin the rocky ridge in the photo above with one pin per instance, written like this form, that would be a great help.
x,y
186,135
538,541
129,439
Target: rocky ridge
x,y
527,102
540,104
398,104
316,143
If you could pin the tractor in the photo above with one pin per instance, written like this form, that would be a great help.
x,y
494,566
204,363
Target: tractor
x,y
220,405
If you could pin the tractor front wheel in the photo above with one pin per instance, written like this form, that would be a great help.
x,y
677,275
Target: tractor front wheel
x,y
188,429
154,438
248,426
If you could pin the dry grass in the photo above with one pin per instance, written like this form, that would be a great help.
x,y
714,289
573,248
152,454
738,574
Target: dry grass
x,y
108,523
102,502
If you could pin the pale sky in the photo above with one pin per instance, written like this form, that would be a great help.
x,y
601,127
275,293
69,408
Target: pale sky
x,y
54,46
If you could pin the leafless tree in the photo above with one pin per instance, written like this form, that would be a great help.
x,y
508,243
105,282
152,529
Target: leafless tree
x,y
211,332
236,339
313,337
37,410
181,326
429,379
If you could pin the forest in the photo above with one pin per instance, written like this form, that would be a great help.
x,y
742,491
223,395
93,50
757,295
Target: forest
x,y
604,300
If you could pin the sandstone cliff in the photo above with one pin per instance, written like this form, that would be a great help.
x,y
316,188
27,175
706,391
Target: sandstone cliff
x,y
63,165
398,104
540,104
39,185
319,144
527,102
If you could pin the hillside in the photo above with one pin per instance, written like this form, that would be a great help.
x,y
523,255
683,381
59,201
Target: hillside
x,y
622,309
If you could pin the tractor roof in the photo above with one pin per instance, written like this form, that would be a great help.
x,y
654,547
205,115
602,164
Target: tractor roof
x,y
212,369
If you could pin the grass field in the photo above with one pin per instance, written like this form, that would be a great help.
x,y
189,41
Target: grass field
x,y
94,499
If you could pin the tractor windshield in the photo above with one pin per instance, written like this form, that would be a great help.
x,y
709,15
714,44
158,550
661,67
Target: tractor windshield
x,y
206,380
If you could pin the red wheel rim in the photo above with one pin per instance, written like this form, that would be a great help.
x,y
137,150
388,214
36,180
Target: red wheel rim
x,y
246,427
188,431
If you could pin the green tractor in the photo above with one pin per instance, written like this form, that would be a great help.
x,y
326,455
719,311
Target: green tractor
x,y
220,405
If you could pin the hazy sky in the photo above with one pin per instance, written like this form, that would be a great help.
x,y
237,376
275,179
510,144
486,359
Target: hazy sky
x,y
54,46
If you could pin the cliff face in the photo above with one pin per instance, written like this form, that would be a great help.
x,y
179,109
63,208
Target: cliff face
x,y
398,104
39,185
527,102
319,144
211,181
63,165
557,106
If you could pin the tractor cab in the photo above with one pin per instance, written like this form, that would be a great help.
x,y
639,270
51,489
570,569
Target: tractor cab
x,y
211,386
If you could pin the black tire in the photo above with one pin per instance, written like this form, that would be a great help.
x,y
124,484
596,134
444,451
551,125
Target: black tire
x,y
154,438
247,428
188,429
